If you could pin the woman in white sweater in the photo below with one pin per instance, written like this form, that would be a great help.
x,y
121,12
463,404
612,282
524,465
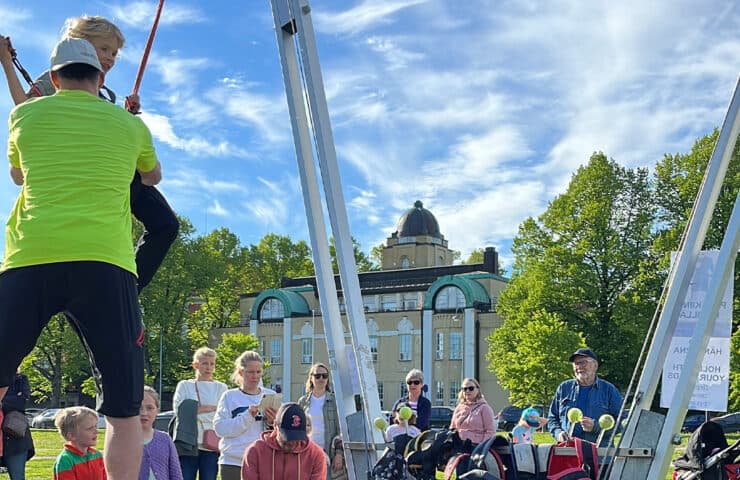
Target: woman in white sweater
x,y
206,391
238,420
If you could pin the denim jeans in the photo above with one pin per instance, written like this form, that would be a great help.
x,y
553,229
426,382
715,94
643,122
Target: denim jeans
x,y
16,465
205,465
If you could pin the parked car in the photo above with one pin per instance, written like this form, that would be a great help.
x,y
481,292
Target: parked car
x,y
441,417
163,419
45,419
692,422
730,423
509,416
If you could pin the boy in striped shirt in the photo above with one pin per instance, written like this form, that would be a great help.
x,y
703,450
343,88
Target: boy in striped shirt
x,y
79,459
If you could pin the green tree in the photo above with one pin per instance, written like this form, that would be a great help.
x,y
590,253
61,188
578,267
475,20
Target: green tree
x,y
476,256
529,356
678,179
274,258
363,262
581,260
228,350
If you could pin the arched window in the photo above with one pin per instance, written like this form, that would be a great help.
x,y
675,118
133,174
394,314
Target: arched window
x,y
449,298
405,262
272,309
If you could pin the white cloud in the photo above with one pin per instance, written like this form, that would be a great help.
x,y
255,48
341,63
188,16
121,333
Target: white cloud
x,y
217,209
140,15
369,13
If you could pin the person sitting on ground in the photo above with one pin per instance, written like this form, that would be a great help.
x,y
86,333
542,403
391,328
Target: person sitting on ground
x,y
528,424
79,459
594,396
285,452
159,460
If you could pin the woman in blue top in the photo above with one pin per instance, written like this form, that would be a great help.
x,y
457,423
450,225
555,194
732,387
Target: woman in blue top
x,y
420,405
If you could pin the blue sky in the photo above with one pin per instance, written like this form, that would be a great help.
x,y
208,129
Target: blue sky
x,y
481,109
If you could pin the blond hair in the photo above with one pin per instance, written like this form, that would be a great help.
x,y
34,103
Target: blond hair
x,y
87,27
461,395
204,352
68,419
241,363
152,393
309,380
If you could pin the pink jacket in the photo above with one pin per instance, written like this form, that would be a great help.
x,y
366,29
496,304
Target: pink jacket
x,y
265,460
474,421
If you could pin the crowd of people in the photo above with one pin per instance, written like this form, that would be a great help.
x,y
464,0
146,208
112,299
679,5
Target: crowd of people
x,y
84,165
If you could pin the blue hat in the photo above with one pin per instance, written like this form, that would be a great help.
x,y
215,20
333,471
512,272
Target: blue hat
x,y
584,352
531,416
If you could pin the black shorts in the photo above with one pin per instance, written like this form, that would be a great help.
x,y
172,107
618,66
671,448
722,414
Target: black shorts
x,y
101,302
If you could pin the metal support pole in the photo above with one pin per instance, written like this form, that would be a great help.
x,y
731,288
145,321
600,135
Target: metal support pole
x,y
293,24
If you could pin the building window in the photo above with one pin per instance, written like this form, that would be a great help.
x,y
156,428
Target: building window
x,y
374,347
454,390
380,394
276,351
342,305
307,350
389,303
369,304
439,396
405,262
272,309
263,348
404,390
455,346
404,347
410,301
440,350
449,298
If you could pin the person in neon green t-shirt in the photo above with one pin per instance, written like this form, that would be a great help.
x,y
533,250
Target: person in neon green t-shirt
x,y
68,238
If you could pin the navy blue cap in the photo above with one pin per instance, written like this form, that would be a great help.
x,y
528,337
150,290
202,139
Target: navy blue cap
x,y
292,421
583,352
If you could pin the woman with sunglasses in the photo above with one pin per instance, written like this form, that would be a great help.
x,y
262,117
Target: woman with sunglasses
x,y
321,408
473,418
420,405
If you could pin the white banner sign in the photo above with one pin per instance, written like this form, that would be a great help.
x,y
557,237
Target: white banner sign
x,y
710,392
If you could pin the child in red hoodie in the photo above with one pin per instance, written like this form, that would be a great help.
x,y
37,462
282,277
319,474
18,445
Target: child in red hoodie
x,y
285,452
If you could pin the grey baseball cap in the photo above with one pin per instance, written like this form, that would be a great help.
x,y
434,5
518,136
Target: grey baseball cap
x,y
74,50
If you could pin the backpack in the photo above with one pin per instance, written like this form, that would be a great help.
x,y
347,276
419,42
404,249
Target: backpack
x,y
390,466
531,460
582,465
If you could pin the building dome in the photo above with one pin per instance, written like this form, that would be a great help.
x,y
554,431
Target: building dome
x,y
418,221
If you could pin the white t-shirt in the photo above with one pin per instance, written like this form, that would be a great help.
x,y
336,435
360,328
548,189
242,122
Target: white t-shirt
x,y
316,414
210,393
235,425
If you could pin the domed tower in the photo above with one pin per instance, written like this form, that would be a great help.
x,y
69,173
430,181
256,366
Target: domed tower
x,y
417,242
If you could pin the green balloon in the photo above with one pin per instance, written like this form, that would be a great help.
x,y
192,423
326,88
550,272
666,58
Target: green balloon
x,y
380,423
575,415
405,413
606,421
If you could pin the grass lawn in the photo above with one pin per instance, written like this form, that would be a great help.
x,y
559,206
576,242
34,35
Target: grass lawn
x,y
48,445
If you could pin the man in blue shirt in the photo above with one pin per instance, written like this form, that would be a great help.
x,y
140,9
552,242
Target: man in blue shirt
x,y
588,392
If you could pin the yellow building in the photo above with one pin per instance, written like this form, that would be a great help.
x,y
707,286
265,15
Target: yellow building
x,y
421,312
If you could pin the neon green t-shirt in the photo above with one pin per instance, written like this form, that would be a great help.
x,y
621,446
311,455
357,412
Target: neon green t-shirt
x,y
78,154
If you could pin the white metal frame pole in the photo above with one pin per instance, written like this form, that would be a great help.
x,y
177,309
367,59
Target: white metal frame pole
x,y
335,204
331,317
679,278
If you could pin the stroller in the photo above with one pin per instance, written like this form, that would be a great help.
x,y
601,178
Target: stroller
x,y
708,456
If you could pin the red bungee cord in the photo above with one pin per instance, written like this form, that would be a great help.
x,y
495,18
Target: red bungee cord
x,y
134,108
23,72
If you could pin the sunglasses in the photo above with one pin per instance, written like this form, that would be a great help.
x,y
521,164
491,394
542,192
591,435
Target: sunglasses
x,y
320,375
468,389
413,382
